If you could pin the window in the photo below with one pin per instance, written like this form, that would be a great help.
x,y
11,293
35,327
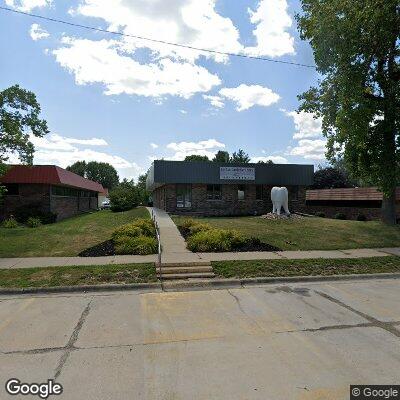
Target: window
x,y
64,191
183,196
259,192
241,190
12,189
214,192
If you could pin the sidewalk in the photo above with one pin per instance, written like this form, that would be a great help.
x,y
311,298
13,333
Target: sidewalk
x,y
172,243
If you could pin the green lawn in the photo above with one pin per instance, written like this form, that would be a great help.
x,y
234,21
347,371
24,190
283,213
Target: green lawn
x,y
65,238
77,275
312,233
271,268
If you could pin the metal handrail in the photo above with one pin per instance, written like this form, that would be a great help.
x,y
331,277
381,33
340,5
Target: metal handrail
x,y
153,217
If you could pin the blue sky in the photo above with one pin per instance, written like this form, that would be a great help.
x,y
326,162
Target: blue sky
x,y
126,101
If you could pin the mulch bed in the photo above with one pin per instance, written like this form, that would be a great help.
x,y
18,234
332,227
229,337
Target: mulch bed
x,y
102,249
253,244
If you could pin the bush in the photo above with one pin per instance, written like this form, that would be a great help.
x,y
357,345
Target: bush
x,y
10,223
190,226
320,214
34,210
146,226
361,217
340,216
123,198
216,240
33,222
136,245
141,227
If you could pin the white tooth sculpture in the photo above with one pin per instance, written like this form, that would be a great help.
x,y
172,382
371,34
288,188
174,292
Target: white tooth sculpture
x,y
280,198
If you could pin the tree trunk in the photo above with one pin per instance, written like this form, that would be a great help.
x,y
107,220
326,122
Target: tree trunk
x,y
389,208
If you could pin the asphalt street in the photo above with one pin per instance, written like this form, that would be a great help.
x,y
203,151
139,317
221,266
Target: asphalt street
x,y
297,341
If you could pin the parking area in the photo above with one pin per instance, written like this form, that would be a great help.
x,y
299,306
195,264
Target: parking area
x,y
297,341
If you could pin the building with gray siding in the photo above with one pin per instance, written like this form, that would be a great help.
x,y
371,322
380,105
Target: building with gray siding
x,y
208,188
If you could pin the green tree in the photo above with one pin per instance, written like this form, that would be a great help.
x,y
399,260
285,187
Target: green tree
x,y
221,157
78,168
330,178
196,157
356,49
123,198
144,195
19,118
103,173
240,157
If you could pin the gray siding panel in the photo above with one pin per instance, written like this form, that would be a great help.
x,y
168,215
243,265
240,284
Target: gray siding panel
x,y
163,172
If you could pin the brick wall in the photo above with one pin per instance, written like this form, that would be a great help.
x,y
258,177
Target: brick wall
x,y
28,194
165,198
66,206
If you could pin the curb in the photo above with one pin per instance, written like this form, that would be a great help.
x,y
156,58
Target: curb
x,y
198,285
81,288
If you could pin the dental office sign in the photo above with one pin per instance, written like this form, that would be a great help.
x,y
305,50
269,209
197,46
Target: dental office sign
x,y
237,173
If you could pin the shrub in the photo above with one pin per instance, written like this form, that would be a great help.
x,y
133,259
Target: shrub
x,y
141,227
136,245
123,198
34,210
320,214
33,222
361,217
10,223
129,230
340,216
216,240
190,226
146,226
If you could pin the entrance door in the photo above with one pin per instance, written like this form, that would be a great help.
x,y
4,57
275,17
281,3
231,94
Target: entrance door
x,y
183,196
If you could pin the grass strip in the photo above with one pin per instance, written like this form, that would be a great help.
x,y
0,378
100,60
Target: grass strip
x,y
326,267
77,275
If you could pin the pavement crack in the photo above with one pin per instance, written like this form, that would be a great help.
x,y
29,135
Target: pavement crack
x,y
72,340
331,327
34,351
387,326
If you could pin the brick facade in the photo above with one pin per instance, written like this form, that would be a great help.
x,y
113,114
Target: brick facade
x,y
164,197
40,194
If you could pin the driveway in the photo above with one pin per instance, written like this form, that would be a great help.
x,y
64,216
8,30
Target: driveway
x,y
300,341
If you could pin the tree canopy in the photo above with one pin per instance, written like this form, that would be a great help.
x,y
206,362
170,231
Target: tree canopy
x,y
357,53
221,156
196,157
19,118
100,172
330,178
240,157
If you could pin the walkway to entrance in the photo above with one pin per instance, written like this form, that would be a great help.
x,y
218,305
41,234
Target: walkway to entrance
x,y
176,260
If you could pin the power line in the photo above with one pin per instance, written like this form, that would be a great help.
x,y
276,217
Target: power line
x,y
154,40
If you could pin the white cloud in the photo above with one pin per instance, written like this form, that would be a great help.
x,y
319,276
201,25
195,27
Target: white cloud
x,y
216,101
153,145
57,142
27,5
37,32
183,111
246,96
274,159
190,22
203,148
306,125
271,34
309,149
102,61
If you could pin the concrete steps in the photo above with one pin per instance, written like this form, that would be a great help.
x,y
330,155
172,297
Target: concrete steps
x,y
190,270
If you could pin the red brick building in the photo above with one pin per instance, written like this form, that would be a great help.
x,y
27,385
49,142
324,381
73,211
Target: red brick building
x,y
48,188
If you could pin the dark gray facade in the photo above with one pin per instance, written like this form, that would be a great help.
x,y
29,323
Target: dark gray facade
x,y
165,172
210,189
